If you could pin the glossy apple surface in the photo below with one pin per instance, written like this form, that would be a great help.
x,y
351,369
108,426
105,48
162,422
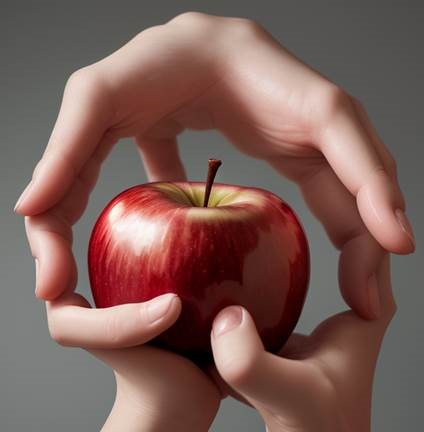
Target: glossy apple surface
x,y
247,248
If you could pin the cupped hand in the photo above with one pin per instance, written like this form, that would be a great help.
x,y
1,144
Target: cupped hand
x,y
321,382
203,72
156,389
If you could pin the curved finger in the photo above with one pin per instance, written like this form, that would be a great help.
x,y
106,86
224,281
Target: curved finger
x,y
351,153
357,341
385,155
360,253
336,209
82,121
161,159
73,323
50,235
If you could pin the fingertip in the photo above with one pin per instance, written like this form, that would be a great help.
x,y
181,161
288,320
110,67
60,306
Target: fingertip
x,y
236,346
52,179
227,320
162,310
380,209
18,206
240,357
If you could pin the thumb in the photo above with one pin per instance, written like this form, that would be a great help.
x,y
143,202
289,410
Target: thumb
x,y
242,362
238,350
270,383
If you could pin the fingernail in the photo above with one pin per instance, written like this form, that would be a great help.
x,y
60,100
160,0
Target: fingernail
x,y
373,296
159,306
227,320
405,225
23,196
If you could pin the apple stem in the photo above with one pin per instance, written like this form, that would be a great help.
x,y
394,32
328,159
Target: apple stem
x,y
213,165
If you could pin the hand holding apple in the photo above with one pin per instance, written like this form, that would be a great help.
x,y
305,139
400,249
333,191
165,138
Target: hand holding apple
x,y
153,386
320,382
240,245
112,98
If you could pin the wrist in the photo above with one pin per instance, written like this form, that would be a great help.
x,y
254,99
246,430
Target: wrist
x,y
123,416
143,413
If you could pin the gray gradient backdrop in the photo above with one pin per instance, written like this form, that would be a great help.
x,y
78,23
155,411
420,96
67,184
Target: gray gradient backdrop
x,y
374,51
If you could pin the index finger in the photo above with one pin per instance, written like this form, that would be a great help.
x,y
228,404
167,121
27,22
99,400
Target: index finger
x,y
81,123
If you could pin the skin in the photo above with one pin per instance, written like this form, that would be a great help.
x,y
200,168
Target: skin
x,y
206,72
320,382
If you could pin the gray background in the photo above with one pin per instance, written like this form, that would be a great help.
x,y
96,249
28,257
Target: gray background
x,y
375,52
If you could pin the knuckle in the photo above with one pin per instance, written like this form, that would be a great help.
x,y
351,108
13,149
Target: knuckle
x,y
250,27
91,86
332,100
88,83
335,100
81,78
191,18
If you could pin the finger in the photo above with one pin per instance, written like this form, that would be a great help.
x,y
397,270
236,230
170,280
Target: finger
x,y
72,323
50,240
354,341
358,264
82,121
337,211
360,254
50,236
257,375
383,152
351,153
161,159
388,160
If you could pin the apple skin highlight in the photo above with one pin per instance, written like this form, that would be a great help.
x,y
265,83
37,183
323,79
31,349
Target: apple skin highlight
x,y
247,248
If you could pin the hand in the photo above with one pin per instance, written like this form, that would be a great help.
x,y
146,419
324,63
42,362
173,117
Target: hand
x,y
156,390
321,382
202,72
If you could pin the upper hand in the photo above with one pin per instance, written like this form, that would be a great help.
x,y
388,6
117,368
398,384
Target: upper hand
x,y
199,71
322,382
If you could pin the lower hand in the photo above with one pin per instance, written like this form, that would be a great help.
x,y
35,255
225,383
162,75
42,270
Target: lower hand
x,y
156,390
321,382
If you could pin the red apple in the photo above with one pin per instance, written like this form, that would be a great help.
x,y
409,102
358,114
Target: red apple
x,y
246,247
